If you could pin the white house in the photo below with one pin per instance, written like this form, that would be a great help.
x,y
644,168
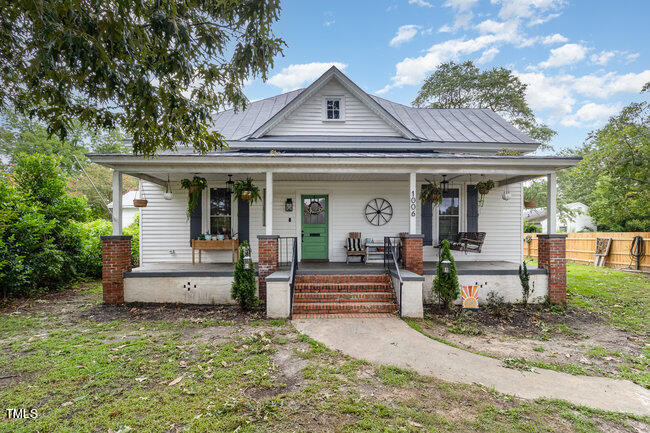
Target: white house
x,y
329,160
578,221
129,211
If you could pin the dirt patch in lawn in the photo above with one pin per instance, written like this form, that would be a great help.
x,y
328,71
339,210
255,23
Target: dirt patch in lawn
x,y
572,340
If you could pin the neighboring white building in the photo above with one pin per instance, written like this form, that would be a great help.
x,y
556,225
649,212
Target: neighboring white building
x,y
129,212
334,144
580,221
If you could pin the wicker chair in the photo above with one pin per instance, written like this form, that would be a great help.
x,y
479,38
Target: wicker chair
x,y
354,248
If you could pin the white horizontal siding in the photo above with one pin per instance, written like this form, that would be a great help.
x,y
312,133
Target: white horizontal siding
x,y
165,226
307,119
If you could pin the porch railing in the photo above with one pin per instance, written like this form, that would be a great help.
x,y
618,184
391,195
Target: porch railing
x,y
391,252
288,249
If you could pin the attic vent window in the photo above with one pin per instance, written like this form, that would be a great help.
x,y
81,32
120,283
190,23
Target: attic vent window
x,y
334,109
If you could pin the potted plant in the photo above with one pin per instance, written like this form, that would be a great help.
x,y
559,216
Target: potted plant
x,y
530,203
247,190
431,193
194,188
483,188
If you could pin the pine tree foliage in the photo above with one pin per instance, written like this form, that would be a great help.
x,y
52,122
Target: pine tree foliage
x,y
243,286
445,286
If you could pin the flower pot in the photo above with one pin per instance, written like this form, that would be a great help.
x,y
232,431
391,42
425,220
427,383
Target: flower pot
x,y
191,188
140,202
531,203
246,195
483,191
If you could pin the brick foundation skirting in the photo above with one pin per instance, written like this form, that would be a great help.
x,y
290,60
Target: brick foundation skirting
x,y
116,259
552,257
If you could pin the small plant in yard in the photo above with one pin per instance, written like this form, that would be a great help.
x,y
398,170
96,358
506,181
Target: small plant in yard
x,y
524,277
497,305
243,286
445,286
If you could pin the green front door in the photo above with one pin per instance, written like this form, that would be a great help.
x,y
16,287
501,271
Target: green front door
x,y
314,227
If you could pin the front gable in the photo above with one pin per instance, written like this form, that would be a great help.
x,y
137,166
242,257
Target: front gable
x,y
356,119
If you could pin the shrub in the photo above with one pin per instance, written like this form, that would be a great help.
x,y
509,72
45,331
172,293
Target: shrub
x,y
40,245
445,286
524,277
243,286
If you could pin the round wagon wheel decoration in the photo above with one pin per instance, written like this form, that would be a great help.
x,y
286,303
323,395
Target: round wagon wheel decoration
x,y
379,211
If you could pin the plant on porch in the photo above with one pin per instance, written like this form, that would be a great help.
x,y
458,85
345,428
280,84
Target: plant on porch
x,y
483,189
243,286
194,188
247,190
445,285
431,193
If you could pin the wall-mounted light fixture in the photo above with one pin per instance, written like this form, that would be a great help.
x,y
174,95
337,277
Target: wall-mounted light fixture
x,y
444,183
288,205
229,184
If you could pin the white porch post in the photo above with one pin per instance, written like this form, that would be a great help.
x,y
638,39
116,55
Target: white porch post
x,y
117,203
551,203
269,202
412,205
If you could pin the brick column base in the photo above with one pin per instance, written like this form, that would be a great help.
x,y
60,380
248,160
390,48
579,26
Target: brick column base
x,y
116,258
552,257
267,261
412,253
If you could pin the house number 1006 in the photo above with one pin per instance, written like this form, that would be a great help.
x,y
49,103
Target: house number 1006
x,y
413,201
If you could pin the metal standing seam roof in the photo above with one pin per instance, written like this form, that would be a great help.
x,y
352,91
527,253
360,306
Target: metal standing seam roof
x,y
463,125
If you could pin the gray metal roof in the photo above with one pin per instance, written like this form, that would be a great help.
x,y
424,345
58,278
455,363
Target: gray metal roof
x,y
471,125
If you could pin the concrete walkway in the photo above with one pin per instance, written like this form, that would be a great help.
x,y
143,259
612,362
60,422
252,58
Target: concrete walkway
x,y
390,341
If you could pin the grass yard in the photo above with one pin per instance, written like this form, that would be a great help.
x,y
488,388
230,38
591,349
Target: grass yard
x,y
603,331
87,367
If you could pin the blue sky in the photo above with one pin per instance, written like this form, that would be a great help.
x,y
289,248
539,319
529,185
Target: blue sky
x,y
582,60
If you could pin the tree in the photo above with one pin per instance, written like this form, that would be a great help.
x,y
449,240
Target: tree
x,y
155,69
102,177
613,178
463,85
243,285
445,286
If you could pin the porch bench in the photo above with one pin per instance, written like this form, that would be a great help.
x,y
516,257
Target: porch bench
x,y
469,242
354,248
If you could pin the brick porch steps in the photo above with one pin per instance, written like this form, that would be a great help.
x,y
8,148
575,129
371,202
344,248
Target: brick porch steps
x,y
343,295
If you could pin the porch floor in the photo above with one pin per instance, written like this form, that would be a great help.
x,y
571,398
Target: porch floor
x,y
173,269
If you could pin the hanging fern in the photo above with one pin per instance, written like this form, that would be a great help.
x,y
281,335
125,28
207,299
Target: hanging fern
x,y
194,188
431,193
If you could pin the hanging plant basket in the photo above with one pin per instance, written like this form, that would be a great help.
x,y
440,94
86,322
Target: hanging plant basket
x,y
431,193
483,189
194,188
246,190
140,202
530,204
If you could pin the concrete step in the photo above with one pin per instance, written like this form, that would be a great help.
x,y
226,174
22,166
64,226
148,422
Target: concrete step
x,y
358,296
342,278
344,307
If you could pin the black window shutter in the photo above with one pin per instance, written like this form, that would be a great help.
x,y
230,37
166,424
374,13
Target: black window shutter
x,y
242,220
426,223
196,218
472,208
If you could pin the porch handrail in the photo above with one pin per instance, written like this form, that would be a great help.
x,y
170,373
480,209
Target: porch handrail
x,y
294,268
391,266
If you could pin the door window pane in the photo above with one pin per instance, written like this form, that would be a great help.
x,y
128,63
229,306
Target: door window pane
x,y
448,215
220,212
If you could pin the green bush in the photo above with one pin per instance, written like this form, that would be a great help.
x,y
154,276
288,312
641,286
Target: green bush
x,y
445,286
40,244
243,286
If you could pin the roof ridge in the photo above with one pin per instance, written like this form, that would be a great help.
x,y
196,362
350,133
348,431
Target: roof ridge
x,y
264,99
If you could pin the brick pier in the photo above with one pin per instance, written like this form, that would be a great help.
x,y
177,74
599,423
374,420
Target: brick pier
x,y
267,261
412,253
116,259
552,257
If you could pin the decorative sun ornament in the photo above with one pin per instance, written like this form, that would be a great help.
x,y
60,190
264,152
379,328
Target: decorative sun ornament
x,y
379,211
470,296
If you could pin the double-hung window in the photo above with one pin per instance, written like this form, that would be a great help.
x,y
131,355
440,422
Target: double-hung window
x,y
220,212
448,216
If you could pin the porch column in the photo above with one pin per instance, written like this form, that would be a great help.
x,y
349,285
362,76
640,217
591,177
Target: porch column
x,y
412,205
117,203
551,252
268,200
551,203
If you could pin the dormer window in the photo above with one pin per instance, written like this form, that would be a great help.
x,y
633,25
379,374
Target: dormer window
x,y
334,109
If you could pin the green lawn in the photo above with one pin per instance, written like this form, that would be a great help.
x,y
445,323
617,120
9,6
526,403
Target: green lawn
x,y
622,297
92,368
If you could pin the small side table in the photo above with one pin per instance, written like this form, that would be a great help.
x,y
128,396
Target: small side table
x,y
226,244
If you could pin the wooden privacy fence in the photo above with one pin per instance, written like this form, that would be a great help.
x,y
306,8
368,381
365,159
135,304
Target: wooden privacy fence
x,y
580,247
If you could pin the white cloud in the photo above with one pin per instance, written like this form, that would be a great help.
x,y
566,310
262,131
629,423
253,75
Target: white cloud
x,y
548,93
328,19
590,115
463,17
603,57
565,55
631,57
488,55
554,39
607,85
460,5
404,34
527,8
422,3
541,20
294,76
